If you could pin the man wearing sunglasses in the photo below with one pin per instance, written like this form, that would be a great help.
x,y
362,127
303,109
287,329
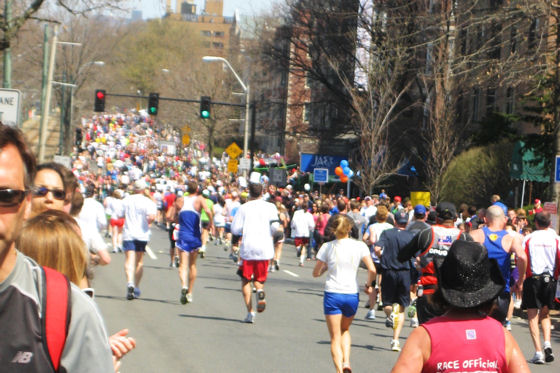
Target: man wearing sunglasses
x,y
21,278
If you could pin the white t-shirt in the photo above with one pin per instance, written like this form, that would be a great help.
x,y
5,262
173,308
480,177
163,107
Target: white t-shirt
x,y
542,249
253,221
302,223
343,259
219,218
137,208
93,213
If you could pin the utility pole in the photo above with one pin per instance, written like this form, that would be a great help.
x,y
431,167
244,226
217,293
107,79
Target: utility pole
x,y
45,67
45,113
7,83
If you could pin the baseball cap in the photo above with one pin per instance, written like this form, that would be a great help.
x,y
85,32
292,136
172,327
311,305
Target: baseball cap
x,y
367,198
537,201
397,199
206,193
502,206
401,217
446,211
419,210
139,184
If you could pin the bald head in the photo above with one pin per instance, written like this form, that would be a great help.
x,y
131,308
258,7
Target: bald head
x,y
494,214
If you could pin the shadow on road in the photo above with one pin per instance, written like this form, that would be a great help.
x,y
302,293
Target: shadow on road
x,y
123,299
316,292
211,318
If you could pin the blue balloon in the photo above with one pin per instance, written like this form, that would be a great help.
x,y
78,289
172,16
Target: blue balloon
x,y
346,170
344,163
350,174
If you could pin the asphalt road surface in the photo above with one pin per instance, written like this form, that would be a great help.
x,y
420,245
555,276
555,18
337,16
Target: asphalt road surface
x,y
208,335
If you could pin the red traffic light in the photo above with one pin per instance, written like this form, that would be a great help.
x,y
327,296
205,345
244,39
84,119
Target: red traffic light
x,y
100,95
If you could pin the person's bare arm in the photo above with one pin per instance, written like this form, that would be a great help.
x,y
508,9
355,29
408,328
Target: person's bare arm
x,y
478,236
516,247
415,352
320,268
515,360
372,273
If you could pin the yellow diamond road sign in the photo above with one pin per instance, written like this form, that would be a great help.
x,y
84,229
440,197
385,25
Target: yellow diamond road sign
x,y
186,139
233,150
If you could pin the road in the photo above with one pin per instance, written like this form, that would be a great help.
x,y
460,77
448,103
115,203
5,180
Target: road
x,y
208,335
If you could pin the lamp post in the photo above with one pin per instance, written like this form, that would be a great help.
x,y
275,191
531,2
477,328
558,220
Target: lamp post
x,y
247,96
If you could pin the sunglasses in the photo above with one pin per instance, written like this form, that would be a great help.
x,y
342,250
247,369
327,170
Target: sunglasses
x,y
11,197
56,193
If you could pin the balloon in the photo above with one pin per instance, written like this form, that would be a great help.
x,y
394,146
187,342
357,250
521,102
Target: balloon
x,y
306,187
350,174
346,170
344,163
344,178
262,162
338,171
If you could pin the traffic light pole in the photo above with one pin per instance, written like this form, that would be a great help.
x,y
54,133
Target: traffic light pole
x,y
174,99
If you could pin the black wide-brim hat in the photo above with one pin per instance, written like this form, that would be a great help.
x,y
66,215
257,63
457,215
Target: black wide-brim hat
x,y
467,277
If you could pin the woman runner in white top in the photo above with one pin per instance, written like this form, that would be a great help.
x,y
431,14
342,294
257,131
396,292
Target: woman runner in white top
x,y
340,259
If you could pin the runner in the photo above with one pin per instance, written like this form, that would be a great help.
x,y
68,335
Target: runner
x,y
205,222
539,288
256,221
302,226
189,241
431,243
500,245
139,213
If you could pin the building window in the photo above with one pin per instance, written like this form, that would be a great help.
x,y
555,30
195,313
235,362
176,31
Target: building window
x,y
476,103
219,34
218,45
509,101
490,100
206,33
306,112
308,80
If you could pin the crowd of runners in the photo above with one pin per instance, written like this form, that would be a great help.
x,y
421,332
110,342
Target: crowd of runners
x,y
135,177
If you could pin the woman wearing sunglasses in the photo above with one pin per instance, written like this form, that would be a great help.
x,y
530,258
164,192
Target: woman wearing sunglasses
x,y
49,190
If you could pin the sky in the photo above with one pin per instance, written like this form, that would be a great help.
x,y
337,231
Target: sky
x,y
156,8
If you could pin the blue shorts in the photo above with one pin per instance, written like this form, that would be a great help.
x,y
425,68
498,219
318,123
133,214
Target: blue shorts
x,y
135,245
336,303
188,245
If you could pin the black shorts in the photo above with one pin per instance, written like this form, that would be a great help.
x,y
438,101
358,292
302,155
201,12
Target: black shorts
x,y
205,224
378,268
395,287
538,292
278,237
500,310
235,239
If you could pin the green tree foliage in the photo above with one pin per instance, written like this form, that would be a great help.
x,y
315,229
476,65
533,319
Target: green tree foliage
x,y
496,128
474,175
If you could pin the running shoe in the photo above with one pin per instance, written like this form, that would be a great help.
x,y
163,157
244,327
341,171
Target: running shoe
x,y
136,293
346,368
250,319
370,315
395,345
412,310
189,298
261,302
276,266
508,325
177,262
395,316
388,322
517,304
538,358
414,323
183,298
548,355
130,292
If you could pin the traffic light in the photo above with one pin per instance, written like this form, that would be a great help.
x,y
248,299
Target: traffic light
x,y
205,102
153,102
99,105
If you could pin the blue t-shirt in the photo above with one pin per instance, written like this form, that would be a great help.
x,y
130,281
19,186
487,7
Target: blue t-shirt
x,y
392,240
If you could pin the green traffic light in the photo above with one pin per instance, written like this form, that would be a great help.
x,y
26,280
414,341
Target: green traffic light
x,y
205,114
153,110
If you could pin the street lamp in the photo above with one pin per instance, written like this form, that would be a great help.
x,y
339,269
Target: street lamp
x,y
245,89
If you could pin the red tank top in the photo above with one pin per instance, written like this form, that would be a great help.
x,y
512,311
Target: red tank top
x,y
465,346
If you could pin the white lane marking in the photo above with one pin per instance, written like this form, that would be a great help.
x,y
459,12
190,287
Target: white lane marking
x,y
290,273
150,253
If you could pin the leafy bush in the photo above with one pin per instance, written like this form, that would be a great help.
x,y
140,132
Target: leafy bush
x,y
477,173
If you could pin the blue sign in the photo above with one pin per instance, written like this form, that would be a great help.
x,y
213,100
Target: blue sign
x,y
309,162
321,175
557,170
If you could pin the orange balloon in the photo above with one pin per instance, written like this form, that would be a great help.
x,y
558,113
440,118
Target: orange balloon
x,y
344,178
338,171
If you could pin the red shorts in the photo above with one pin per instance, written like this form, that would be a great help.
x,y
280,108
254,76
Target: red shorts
x,y
258,269
117,222
301,241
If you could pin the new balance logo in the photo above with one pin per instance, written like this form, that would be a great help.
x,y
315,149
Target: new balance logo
x,y
22,357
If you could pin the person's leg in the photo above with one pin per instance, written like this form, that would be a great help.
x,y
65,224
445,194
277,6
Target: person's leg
x,y
346,340
334,324
302,255
119,237
171,244
533,318
139,271
399,323
192,270
544,318
183,270
114,237
247,291
278,254
129,263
